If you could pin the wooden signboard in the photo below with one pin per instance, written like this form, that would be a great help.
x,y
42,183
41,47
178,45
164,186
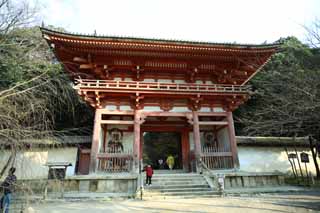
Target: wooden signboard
x,y
304,157
292,155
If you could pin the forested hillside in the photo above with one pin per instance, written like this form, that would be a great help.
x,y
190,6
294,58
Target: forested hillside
x,y
286,95
36,97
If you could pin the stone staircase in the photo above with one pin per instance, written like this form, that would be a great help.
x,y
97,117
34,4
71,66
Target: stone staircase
x,y
178,184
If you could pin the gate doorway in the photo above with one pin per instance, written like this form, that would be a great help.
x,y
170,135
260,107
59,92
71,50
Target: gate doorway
x,y
157,146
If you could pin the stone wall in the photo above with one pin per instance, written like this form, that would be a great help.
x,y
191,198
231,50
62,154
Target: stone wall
x,y
125,184
247,180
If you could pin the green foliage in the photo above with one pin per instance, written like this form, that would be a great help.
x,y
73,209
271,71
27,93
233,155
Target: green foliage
x,y
286,101
36,96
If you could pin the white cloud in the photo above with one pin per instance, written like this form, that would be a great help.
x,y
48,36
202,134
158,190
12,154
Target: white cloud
x,y
246,21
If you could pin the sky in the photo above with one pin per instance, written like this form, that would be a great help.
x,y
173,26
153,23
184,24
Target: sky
x,y
240,21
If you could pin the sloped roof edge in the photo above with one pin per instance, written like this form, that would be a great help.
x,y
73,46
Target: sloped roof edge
x,y
157,40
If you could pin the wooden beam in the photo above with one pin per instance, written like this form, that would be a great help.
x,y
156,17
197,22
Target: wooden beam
x,y
163,128
117,122
218,154
216,114
116,112
106,155
86,66
221,123
166,114
79,59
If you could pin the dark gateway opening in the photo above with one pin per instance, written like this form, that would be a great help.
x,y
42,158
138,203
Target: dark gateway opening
x,y
157,146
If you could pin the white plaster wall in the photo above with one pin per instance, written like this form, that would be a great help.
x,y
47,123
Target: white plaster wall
x,y
152,109
111,107
269,159
31,164
125,108
148,80
180,109
205,109
164,80
218,109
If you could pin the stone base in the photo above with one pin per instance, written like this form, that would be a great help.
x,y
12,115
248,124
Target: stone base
x,y
115,183
247,179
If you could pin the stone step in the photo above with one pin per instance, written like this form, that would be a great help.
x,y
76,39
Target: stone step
x,y
179,182
171,190
153,186
168,197
176,174
181,193
181,185
176,178
166,171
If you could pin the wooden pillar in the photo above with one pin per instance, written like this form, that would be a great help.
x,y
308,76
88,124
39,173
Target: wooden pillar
x,y
141,145
185,149
104,144
196,138
233,143
95,141
136,144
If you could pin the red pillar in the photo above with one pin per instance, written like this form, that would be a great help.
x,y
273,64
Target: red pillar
x,y
233,143
95,141
185,149
136,144
196,137
141,145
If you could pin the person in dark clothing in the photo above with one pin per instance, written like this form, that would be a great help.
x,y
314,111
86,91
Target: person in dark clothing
x,y
8,187
149,173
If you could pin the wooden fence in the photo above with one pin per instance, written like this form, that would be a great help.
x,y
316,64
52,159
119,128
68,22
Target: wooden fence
x,y
115,161
217,157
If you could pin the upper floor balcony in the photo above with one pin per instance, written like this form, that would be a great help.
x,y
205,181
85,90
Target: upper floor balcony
x,y
158,87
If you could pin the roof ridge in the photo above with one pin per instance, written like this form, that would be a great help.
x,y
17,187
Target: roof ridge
x,y
94,35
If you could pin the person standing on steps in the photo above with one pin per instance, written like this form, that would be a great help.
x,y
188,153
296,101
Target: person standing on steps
x,y
149,173
8,186
170,162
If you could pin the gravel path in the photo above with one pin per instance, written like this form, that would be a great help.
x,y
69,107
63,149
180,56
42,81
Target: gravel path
x,y
298,202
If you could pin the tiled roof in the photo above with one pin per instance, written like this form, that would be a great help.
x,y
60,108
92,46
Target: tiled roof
x,y
153,40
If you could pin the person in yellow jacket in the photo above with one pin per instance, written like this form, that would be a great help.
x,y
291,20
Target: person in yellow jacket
x,y
170,162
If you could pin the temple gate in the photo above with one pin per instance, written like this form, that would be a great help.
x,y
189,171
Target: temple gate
x,y
140,85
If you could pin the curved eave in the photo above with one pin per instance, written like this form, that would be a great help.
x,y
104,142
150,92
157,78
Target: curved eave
x,y
93,40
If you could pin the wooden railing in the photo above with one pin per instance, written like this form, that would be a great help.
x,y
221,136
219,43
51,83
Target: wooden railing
x,y
217,157
157,86
115,161
217,162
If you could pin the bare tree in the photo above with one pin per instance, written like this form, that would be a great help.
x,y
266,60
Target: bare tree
x,y
313,33
15,14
